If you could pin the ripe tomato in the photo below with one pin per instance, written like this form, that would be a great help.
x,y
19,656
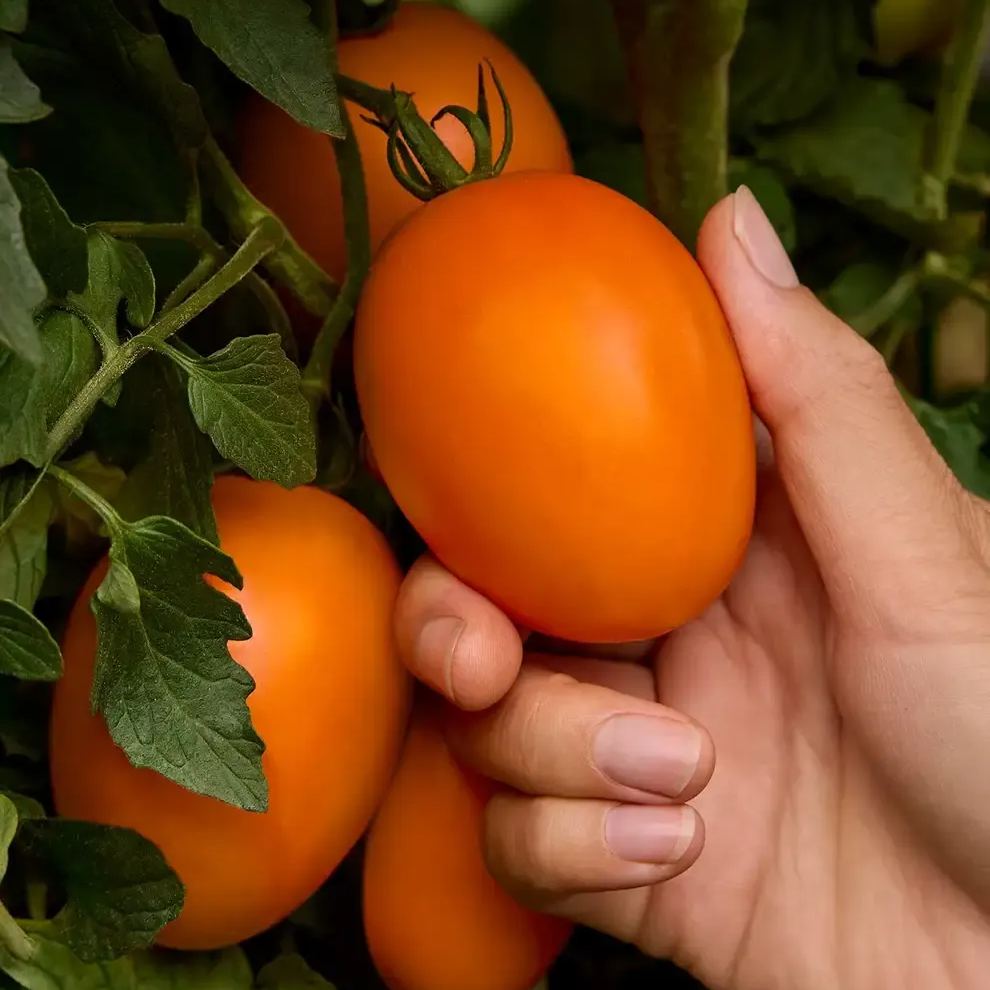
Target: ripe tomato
x,y
330,705
433,916
555,402
432,51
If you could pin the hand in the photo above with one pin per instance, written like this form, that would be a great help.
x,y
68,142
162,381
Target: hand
x,y
843,680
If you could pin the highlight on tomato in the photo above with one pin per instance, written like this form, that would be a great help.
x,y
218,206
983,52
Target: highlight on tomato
x,y
555,402
319,586
429,50
434,917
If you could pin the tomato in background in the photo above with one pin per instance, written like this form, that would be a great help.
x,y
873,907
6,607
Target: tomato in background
x,y
909,27
330,704
556,404
434,917
432,51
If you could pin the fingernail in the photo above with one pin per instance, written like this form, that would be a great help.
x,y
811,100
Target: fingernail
x,y
654,754
644,834
759,240
437,649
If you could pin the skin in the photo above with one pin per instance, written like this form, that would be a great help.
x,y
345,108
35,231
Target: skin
x,y
579,346
319,587
842,838
431,51
434,917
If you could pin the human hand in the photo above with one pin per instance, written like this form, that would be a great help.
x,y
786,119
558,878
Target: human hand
x,y
843,679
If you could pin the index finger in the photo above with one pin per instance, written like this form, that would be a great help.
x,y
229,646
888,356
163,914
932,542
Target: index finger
x,y
454,639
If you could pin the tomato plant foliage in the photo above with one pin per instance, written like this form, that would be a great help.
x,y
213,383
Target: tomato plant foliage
x,y
147,346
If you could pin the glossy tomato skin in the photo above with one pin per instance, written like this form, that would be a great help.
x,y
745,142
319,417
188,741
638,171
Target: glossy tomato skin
x,y
434,917
430,50
555,402
330,704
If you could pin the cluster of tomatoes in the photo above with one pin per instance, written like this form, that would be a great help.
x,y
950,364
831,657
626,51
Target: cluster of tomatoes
x,y
555,403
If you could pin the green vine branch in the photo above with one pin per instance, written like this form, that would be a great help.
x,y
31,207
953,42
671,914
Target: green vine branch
x,y
289,264
316,374
678,59
959,76
260,242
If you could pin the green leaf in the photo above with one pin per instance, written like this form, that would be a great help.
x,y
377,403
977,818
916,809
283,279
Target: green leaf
x,y
27,649
138,61
8,829
32,398
173,697
772,195
120,892
20,99
57,245
26,807
291,972
174,476
248,398
21,287
960,436
78,518
13,15
54,966
226,970
273,46
866,149
857,287
793,56
118,272
24,545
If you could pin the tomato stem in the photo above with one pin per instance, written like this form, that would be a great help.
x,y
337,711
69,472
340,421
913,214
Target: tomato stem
x,y
289,265
960,71
678,58
316,374
264,239
417,155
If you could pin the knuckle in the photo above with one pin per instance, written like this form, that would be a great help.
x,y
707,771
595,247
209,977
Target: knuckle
x,y
524,731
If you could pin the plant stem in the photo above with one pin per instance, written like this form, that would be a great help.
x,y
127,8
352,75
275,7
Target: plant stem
x,y
196,276
264,239
678,58
871,319
316,374
191,233
960,71
17,942
288,264
84,493
11,516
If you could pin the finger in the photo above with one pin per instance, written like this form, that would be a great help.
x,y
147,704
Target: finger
x,y
554,735
632,679
546,849
636,650
859,469
454,639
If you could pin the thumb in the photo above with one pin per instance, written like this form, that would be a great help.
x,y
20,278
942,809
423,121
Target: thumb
x,y
867,486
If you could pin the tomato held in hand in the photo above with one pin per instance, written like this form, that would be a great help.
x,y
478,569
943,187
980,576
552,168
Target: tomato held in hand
x,y
432,51
555,402
434,917
330,705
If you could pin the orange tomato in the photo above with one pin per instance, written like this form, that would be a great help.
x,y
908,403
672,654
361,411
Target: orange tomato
x,y
319,586
434,917
556,404
430,50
